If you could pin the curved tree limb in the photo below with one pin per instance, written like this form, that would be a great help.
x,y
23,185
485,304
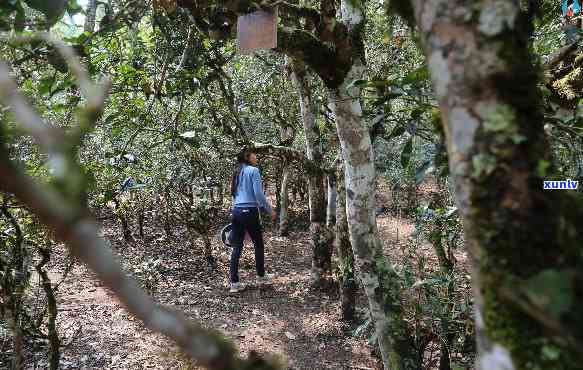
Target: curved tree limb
x,y
291,155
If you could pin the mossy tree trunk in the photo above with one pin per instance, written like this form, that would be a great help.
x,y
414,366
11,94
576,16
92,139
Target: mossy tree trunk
x,y
381,284
525,243
321,237
348,285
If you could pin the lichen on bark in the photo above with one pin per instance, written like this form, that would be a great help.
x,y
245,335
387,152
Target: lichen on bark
x,y
514,230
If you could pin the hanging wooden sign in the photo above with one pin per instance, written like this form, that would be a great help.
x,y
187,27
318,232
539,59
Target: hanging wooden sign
x,y
257,30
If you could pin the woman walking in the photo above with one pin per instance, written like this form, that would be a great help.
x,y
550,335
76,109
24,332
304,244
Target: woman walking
x,y
248,198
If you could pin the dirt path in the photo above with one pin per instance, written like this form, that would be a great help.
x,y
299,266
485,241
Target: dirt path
x,y
285,318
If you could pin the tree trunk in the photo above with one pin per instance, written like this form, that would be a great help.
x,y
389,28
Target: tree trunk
x,y
348,286
90,16
208,251
321,237
141,220
121,213
16,281
435,235
381,284
284,196
278,184
166,215
524,242
332,196
54,342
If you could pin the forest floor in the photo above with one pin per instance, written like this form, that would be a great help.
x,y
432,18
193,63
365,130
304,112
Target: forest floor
x,y
287,317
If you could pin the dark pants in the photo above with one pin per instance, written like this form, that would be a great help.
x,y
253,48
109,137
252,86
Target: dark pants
x,y
246,219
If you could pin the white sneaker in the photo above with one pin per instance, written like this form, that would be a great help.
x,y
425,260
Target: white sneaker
x,y
266,279
237,287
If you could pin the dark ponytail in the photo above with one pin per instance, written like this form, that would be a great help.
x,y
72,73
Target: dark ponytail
x,y
242,159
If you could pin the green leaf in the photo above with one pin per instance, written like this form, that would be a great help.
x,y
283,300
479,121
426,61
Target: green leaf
x,y
116,131
542,167
416,113
418,75
52,9
406,153
450,212
393,95
551,352
78,39
397,131
110,117
357,83
552,290
62,85
430,281
73,7
484,164
45,86
60,108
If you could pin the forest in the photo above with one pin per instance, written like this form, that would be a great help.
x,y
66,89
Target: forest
x,y
395,181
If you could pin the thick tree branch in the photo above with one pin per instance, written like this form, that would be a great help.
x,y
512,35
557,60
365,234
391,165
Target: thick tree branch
x,y
310,45
322,59
291,155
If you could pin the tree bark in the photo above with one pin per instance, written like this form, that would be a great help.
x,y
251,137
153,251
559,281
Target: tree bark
x,y
90,14
381,284
321,239
524,242
16,281
348,285
332,200
54,342
283,210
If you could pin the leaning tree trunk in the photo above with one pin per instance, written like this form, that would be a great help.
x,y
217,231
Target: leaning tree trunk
x,y
348,285
525,243
321,237
284,202
381,284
